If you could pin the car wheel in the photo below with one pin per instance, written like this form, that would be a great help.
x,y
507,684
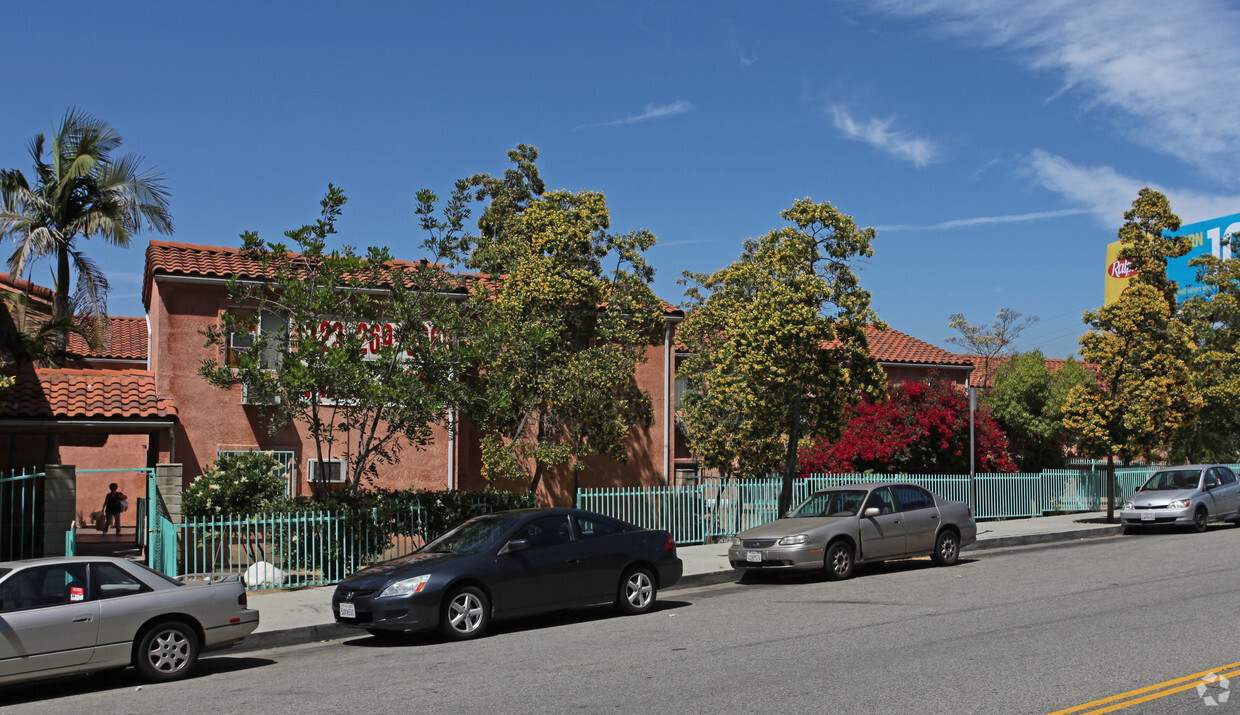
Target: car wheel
x,y
466,614
637,591
946,548
1200,519
838,563
166,651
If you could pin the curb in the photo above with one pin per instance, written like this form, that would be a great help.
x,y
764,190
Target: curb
x,y
334,631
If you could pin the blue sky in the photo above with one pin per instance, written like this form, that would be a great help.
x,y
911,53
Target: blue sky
x,y
994,145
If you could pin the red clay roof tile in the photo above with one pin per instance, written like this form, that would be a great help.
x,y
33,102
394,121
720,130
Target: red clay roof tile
x,y
126,340
893,346
78,394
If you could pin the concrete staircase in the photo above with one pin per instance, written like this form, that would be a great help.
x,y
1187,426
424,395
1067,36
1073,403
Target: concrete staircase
x,y
92,542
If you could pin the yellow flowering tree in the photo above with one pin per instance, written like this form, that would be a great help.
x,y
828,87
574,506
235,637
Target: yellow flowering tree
x,y
560,324
778,345
1143,352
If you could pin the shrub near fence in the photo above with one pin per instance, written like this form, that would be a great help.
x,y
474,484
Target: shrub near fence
x,y
718,508
313,547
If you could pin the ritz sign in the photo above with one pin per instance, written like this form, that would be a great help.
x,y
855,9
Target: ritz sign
x,y
1207,238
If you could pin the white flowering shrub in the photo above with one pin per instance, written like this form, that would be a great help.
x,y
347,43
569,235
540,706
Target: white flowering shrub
x,y
236,484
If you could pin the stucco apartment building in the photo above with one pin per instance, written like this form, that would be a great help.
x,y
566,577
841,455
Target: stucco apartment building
x,y
140,400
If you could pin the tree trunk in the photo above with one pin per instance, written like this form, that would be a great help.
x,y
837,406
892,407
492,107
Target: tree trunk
x,y
1110,487
790,461
60,302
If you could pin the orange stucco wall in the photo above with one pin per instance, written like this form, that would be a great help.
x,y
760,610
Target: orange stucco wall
x,y
211,419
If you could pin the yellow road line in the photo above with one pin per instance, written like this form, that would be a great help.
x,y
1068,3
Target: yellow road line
x,y
1194,678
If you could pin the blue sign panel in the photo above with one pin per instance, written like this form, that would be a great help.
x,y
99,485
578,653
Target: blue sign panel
x,y
1207,240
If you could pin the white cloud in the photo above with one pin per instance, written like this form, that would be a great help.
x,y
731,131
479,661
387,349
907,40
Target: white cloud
x,y
1107,194
1170,69
879,134
653,111
985,220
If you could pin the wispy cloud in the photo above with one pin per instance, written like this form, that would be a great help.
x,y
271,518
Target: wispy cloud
x,y
1168,73
1106,194
653,111
984,220
745,58
879,134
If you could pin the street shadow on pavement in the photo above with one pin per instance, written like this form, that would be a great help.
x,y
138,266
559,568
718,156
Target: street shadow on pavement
x,y
865,571
515,625
115,680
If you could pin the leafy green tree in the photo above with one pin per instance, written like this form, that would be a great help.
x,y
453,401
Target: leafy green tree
x,y
561,323
1027,400
79,189
989,342
359,348
778,344
1142,352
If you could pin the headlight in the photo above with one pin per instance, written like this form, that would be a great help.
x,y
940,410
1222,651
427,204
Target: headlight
x,y
793,540
406,587
1127,505
736,541
1180,504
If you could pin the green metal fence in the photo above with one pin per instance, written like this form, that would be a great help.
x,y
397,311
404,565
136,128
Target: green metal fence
x,y
312,548
717,508
21,515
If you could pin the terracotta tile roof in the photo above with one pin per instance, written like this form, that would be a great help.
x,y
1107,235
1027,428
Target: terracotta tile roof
x,y
126,340
983,375
184,259
79,394
10,284
893,346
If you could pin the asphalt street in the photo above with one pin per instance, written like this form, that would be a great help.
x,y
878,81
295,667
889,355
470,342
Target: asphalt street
x,y
1031,630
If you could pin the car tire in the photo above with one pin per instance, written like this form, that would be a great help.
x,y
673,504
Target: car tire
x,y
166,651
838,562
1201,518
466,613
946,548
637,591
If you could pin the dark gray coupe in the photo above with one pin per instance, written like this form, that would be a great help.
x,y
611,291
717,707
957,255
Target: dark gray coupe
x,y
510,564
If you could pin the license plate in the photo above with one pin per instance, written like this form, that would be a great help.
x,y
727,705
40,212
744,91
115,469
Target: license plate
x,y
348,610
1147,516
753,556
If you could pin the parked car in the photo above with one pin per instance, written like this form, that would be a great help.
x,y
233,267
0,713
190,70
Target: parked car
x,y
1192,495
62,616
510,564
838,528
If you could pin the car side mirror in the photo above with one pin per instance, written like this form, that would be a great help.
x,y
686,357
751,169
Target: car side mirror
x,y
515,546
872,512
1211,485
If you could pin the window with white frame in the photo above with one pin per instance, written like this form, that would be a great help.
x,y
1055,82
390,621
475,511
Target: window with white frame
x,y
264,328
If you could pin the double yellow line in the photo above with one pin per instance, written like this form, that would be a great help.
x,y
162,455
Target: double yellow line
x,y
1153,692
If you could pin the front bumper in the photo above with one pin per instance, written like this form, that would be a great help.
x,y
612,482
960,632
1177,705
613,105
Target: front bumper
x,y
1157,517
801,556
418,612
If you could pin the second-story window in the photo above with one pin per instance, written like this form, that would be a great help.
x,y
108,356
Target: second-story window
x,y
267,330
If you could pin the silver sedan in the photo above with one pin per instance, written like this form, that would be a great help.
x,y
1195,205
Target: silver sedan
x,y
61,616
1192,495
837,528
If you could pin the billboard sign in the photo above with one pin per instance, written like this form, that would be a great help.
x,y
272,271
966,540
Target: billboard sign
x,y
1207,240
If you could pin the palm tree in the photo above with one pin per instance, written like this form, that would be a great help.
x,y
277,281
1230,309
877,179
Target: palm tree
x,y
79,189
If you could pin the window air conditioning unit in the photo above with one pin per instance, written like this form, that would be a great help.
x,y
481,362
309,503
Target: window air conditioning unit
x,y
329,470
251,396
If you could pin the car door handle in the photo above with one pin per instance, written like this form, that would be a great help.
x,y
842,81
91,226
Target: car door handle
x,y
574,561
83,619
897,521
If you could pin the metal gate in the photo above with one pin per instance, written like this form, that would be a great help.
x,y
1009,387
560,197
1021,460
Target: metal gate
x,y
161,551
21,516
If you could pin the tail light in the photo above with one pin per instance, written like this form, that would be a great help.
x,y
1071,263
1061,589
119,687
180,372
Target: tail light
x,y
970,512
670,545
242,601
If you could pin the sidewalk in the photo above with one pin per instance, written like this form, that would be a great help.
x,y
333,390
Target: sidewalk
x,y
305,615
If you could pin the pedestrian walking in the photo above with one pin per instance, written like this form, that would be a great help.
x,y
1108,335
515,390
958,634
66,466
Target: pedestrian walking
x,y
113,504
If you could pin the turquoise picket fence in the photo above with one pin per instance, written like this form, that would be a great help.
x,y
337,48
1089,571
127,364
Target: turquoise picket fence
x,y
716,508
21,515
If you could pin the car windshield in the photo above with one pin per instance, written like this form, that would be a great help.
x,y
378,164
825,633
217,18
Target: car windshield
x,y
1173,480
839,502
472,536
